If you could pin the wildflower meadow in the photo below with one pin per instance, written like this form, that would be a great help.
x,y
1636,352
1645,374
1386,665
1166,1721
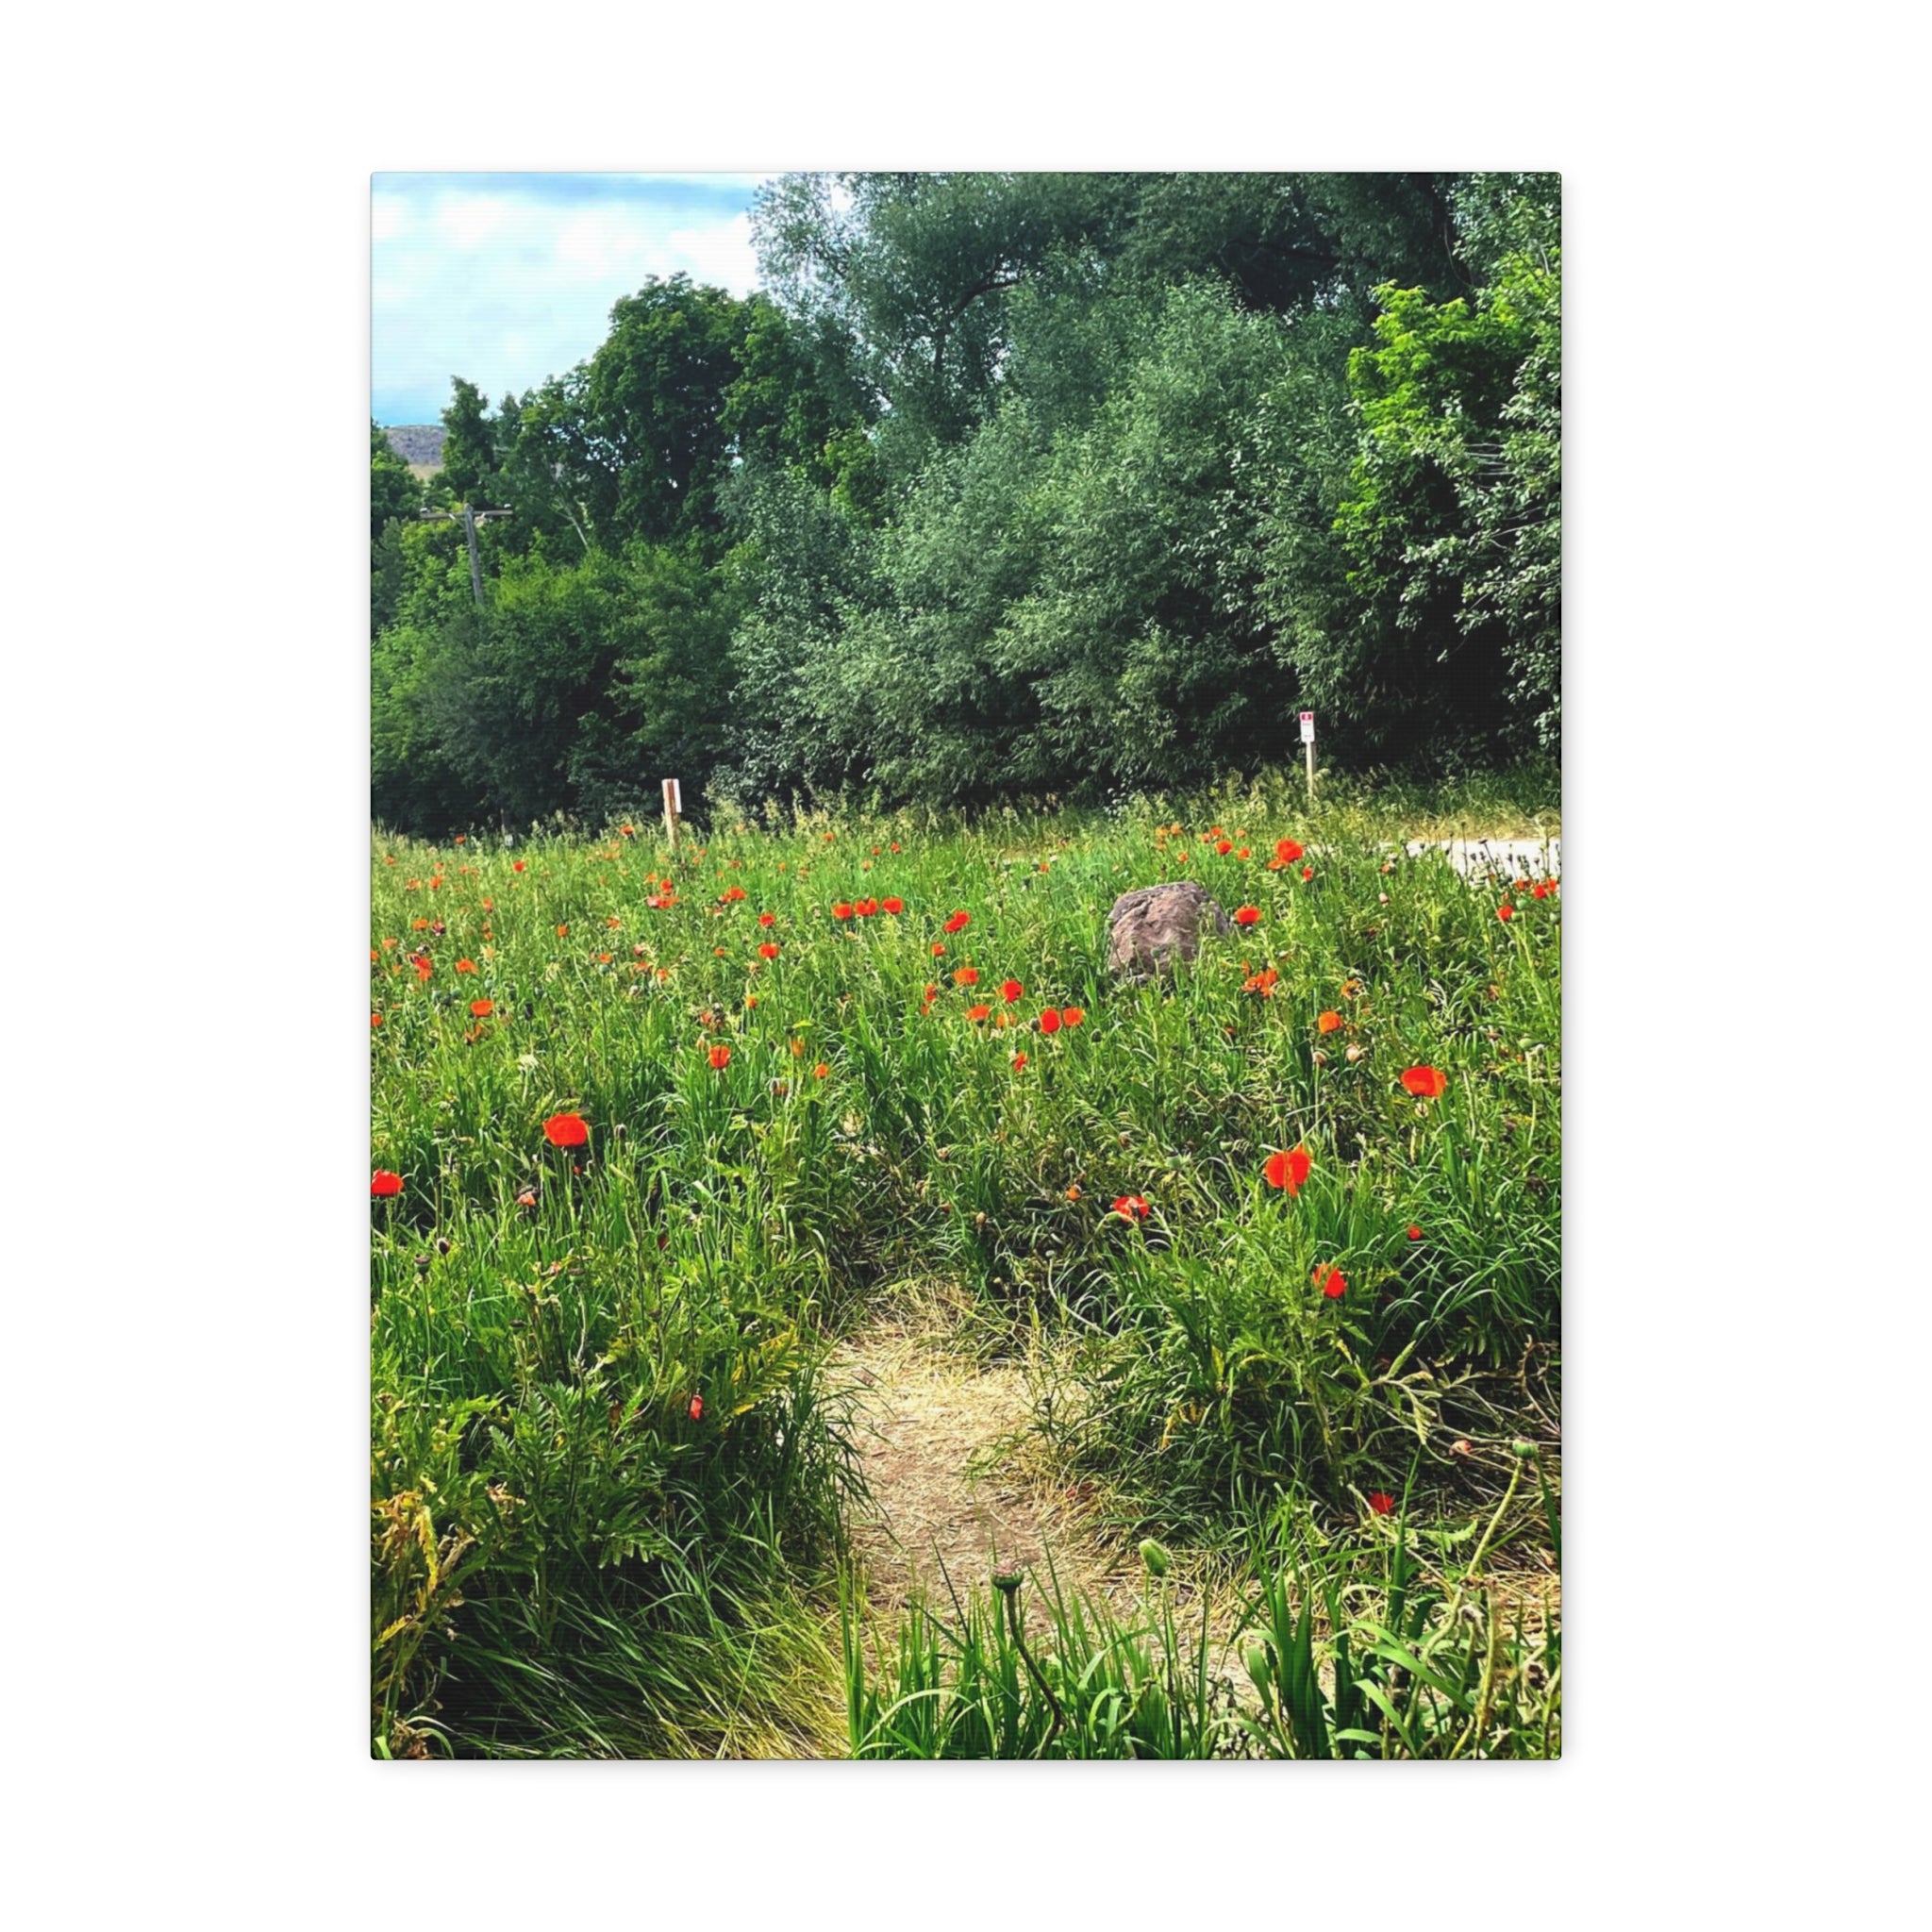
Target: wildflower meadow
x,y
1275,1240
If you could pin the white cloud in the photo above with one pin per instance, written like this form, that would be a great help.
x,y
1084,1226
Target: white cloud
x,y
508,280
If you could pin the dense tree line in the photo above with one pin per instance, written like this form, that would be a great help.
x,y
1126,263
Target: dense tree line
x,y
1006,483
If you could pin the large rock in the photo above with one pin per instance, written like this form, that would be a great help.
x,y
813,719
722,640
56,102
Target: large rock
x,y
1152,928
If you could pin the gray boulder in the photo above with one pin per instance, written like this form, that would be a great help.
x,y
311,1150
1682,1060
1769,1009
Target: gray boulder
x,y
1153,926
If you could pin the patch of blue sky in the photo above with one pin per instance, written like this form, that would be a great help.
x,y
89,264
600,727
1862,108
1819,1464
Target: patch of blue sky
x,y
507,280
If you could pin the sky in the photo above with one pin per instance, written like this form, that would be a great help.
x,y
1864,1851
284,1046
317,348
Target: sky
x,y
506,279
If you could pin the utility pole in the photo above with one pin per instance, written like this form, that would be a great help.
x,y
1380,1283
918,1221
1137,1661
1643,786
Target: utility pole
x,y
470,518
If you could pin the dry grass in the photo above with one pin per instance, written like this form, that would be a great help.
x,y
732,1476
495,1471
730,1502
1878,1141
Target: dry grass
x,y
960,1482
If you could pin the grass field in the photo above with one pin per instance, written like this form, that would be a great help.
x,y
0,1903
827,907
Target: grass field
x,y
1279,1243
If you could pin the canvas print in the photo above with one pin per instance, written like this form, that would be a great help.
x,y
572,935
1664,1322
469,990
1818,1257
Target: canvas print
x,y
965,962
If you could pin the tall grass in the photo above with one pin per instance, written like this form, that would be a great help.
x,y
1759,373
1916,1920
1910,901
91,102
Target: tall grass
x,y
609,1471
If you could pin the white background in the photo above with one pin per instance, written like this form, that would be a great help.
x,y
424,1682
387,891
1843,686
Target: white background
x,y
187,345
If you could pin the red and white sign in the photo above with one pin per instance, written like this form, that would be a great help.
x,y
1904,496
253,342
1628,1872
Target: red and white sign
x,y
1308,728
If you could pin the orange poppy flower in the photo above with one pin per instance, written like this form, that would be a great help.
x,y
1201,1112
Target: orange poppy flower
x,y
1019,1061
1073,1016
1287,850
1426,1083
842,910
978,1012
767,951
481,1010
958,923
819,1072
1327,1022
1132,1207
966,975
720,1057
768,918
566,1130
1247,915
894,906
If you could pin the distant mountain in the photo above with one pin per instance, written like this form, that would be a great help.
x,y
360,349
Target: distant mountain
x,y
418,443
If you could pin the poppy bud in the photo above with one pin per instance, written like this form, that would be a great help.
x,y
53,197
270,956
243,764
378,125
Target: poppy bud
x,y
1156,1557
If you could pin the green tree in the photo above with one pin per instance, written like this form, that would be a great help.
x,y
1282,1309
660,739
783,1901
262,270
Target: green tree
x,y
469,445
392,491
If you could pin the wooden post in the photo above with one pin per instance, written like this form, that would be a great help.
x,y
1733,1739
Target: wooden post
x,y
475,561
1308,745
673,806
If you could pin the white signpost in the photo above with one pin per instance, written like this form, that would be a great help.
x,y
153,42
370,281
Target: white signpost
x,y
1308,740
673,806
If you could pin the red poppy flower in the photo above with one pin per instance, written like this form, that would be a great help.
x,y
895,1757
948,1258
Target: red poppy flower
x,y
732,895
566,1130
768,918
1506,913
1261,982
466,965
767,951
1019,1061
481,1010
1287,850
1073,1016
978,1012
1539,890
1331,1282
382,1184
1131,1208
866,907
516,865
1426,1083
958,922
894,906
842,910
1307,872
1011,990
720,1057
375,1018
1049,1021
696,1412
1247,915
1415,1234
1381,1502
1224,846
966,975
819,1072
1327,1022
1289,1170
562,931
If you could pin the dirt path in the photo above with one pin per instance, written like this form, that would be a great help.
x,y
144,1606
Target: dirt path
x,y
958,1482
